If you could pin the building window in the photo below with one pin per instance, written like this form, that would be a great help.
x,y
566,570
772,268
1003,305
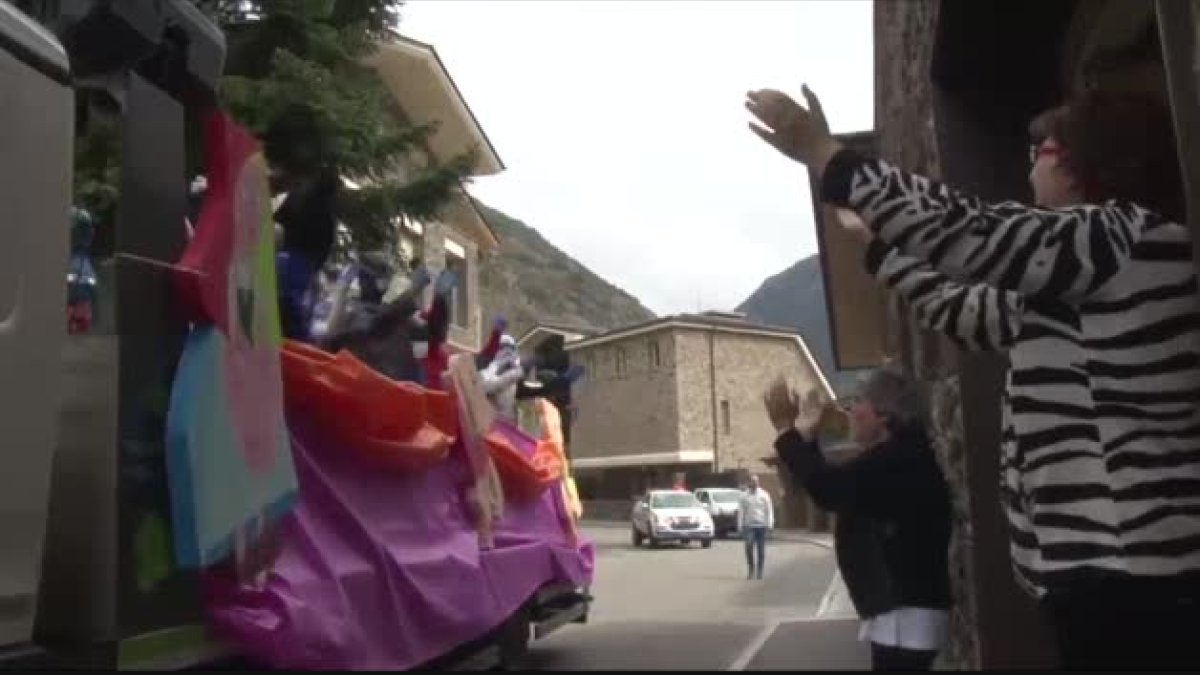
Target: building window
x,y
620,358
460,300
654,355
726,424
409,246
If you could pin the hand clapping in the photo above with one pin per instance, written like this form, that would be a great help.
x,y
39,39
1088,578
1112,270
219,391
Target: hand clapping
x,y
800,134
782,405
787,411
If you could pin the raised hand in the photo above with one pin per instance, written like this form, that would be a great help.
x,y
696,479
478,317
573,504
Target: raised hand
x,y
781,404
812,411
800,134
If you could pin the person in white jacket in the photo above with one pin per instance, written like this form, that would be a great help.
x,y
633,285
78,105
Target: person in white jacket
x,y
755,517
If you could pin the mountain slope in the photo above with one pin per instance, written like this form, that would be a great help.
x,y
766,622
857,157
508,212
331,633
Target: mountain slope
x,y
796,298
530,281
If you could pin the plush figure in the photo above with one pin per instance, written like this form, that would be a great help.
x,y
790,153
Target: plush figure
x,y
501,378
381,334
485,356
547,383
81,276
308,224
432,353
551,376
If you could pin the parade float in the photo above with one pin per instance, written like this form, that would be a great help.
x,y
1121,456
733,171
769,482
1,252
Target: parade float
x,y
420,520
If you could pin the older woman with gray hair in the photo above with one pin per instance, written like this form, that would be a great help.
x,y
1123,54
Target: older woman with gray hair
x,y
893,511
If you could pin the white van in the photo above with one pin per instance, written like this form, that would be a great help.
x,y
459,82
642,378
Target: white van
x,y
722,505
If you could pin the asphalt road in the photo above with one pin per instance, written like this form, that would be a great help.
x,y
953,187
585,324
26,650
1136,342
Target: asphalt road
x,y
691,608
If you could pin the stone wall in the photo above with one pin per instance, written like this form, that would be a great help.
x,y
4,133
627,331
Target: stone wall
x,y
904,124
692,390
741,367
669,402
631,411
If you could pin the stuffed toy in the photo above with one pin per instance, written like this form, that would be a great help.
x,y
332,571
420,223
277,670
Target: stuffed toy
x,y
492,346
81,276
432,352
381,334
502,377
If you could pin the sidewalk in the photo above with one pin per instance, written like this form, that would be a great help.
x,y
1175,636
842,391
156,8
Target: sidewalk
x,y
810,645
822,539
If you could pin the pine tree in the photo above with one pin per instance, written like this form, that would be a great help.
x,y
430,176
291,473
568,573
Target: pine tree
x,y
293,76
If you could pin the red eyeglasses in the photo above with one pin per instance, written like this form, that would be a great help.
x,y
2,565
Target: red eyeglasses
x,y
1047,148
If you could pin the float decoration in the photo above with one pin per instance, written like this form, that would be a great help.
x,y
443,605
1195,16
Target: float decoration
x,y
81,275
229,463
387,424
501,376
379,328
485,494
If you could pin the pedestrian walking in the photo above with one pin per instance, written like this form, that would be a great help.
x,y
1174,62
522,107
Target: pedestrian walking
x,y
756,516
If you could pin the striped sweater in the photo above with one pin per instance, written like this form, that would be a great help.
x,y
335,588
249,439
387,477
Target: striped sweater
x,y
1097,307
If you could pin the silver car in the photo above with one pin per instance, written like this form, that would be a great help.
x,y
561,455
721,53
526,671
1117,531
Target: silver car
x,y
671,515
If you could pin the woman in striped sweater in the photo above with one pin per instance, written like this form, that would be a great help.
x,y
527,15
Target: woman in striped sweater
x,y
1094,296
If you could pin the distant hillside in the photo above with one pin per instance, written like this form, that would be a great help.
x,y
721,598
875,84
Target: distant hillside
x,y
796,298
529,280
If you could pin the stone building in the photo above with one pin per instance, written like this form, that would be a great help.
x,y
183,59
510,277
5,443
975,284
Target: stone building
x,y
955,85
681,395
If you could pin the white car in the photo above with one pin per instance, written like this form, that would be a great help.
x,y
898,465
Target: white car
x,y
671,515
722,505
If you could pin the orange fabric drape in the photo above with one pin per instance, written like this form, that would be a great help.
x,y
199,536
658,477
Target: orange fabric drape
x,y
395,425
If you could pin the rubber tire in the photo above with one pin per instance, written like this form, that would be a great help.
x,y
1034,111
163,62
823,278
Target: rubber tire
x,y
637,537
706,543
514,641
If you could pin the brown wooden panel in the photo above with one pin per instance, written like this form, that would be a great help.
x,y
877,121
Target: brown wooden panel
x,y
1177,23
854,301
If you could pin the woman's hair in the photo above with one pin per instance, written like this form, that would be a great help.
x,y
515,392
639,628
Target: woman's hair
x,y
1120,145
900,400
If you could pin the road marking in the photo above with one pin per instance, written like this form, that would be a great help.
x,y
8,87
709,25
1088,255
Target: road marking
x,y
754,647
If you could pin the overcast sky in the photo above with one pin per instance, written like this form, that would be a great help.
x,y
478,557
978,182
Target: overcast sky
x,y
622,127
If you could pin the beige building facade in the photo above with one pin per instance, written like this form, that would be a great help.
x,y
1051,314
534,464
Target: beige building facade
x,y
681,395
459,238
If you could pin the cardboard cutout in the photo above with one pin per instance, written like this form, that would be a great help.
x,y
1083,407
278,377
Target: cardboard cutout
x,y
228,455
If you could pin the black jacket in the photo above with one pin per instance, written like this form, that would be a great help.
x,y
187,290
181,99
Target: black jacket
x,y
893,519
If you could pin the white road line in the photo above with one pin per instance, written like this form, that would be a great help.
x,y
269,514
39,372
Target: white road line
x,y
754,647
